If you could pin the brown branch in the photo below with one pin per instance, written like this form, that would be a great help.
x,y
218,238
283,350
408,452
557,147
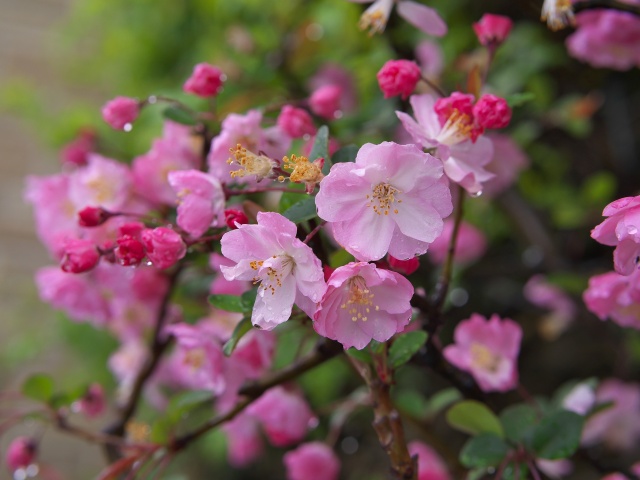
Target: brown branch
x,y
325,350
583,5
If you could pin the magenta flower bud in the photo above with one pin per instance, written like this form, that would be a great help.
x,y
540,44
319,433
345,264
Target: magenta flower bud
x,y
492,112
93,216
492,30
231,217
164,246
134,229
205,81
404,266
295,122
312,461
120,112
21,453
93,403
130,251
398,77
325,101
77,151
79,256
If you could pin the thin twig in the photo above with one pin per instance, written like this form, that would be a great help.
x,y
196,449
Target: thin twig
x,y
313,232
433,86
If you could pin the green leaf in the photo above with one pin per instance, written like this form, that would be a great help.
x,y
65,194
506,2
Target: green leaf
x,y
345,154
161,430
473,417
518,99
558,435
442,400
182,403
518,421
38,387
243,327
321,148
179,115
229,303
484,450
248,299
362,355
405,346
301,211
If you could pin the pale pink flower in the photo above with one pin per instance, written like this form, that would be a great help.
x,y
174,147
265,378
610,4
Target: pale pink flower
x,y
284,415
392,199
287,269
103,182
453,140
93,403
126,362
492,29
429,57
615,296
175,150
164,246
430,465
580,399
398,77
244,444
470,243
554,468
362,303
205,81
325,101
420,16
295,122
79,256
331,74
507,162
618,427
606,39
200,200
254,353
550,297
21,453
312,461
121,112
77,151
221,285
622,230
488,350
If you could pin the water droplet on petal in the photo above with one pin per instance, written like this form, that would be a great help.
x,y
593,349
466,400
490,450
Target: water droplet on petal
x,y
476,194
33,470
127,127
338,114
148,263
152,99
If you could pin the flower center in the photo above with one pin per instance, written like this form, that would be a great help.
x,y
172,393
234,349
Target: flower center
x,y
272,272
558,14
483,358
458,128
250,163
194,358
101,188
383,198
360,300
375,17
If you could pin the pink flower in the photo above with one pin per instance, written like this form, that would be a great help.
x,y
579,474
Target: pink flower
x,y
488,350
93,403
244,442
398,77
430,465
233,217
287,269
285,416
331,74
205,81
103,182
295,122
470,244
79,256
164,246
201,200
618,427
550,297
580,399
312,461
392,199
406,267
129,251
77,151
606,39
429,57
457,142
492,30
420,16
121,112
508,159
491,111
325,101
21,453
621,229
363,303
615,296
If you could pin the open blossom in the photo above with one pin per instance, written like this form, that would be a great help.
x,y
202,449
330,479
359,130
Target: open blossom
x,y
430,465
103,182
615,296
200,200
312,461
205,81
164,246
492,29
622,230
120,112
392,199
362,303
398,77
470,243
420,16
558,14
488,350
295,122
270,254
448,126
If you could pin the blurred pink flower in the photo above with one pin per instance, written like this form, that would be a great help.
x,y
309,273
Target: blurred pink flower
x,y
470,244
325,101
205,81
420,16
363,303
492,29
121,112
429,57
21,453
295,122
488,350
580,399
164,246
93,403
244,443
430,465
615,296
312,461
550,297
79,256
398,77
507,161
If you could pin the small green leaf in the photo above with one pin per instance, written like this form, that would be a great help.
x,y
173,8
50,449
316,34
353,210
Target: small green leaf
x,y
484,450
518,99
518,421
377,348
362,355
38,387
442,400
248,299
243,327
405,346
182,403
229,303
345,154
301,211
320,148
179,115
558,435
411,402
473,417
161,430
